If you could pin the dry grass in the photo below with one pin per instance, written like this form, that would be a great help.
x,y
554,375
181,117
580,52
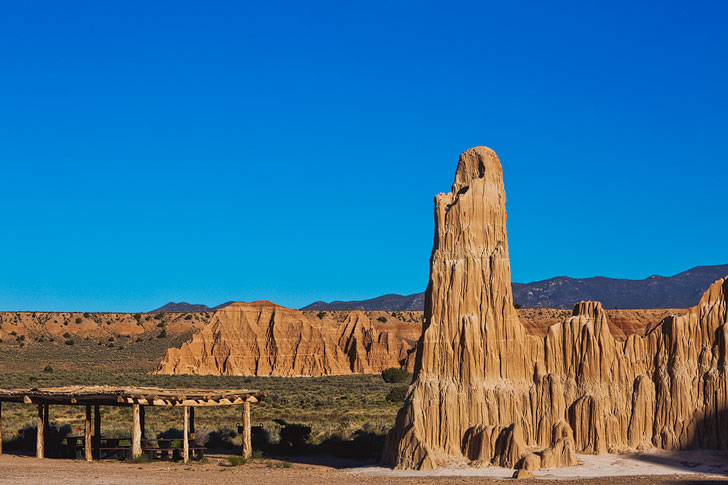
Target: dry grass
x,y
335,406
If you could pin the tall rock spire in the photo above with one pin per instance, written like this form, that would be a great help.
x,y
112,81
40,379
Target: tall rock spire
x,y
486,392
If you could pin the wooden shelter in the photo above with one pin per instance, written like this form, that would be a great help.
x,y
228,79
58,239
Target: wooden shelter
x,y
137,398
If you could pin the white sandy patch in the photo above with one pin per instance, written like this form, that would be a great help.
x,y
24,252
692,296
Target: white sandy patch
x,y
654,462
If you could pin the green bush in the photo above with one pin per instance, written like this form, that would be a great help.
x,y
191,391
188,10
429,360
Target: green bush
x,y
517,306
78,320
397,394
236,460
48,369
382,319
69,342
394,375
321,315
162,334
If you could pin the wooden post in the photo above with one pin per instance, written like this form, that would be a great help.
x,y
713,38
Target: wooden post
x,y
1,427
192,424
46,427
40,436
136,433
97,431
247,444
143,419
186,441
87,434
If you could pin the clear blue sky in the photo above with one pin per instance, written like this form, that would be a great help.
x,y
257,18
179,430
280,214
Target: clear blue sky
x,y
213,151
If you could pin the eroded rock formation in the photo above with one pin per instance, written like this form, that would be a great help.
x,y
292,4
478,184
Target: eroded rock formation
x,y
264,339
488,392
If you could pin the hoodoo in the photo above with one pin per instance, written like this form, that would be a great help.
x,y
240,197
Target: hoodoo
x,y
486,392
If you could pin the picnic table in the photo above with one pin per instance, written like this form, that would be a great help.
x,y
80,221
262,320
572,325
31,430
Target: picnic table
x,y
121,448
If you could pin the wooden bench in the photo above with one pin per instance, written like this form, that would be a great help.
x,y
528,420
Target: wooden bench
x,y
119,452
152,451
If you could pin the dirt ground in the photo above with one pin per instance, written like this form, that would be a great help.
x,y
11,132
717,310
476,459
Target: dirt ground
x,y
28,470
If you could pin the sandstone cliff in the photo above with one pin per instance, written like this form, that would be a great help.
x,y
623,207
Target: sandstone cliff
x,y
488,392
264,339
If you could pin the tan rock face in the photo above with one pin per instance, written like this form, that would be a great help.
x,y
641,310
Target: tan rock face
x,y
264,339
577,388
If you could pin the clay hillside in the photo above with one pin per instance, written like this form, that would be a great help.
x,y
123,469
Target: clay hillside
x,y
130,341
485,391
261,338
139,341
264,339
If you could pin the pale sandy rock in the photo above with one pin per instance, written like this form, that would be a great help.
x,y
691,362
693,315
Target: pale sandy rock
x,y
523,473
574,388
531,461
265,339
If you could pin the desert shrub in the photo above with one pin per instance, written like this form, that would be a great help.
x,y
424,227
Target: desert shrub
x,y
66,335
48,369
397,394
159,316
171,434
110,339
188,317
260,438
236,460
220,439
363,446
293,436
162,334
79,320
321,315
517,306
143,458
26,436
160,325
69,342
86,315
394,375
382,319
137,316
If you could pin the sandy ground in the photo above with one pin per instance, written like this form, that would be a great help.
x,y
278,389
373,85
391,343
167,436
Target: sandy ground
x,y
692,464
649,468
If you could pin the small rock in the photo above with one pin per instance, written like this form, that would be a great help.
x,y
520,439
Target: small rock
x,y
523,474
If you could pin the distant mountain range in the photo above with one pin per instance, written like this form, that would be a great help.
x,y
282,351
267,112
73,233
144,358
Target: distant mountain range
x,y
390,302
183,307
680,291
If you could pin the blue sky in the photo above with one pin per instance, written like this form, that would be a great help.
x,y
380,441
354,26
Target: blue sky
x,y
214,151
